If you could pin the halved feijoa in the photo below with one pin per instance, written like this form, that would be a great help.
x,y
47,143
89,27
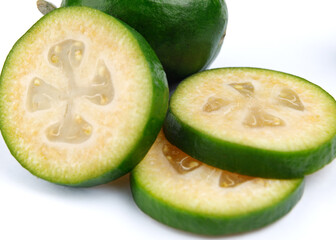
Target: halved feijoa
x,y
254,121
82,98
178,190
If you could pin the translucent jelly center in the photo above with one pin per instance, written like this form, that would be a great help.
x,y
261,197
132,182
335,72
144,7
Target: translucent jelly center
x,y
256,116
41,95
246,89
68,56
72,129
183,164
214,104
289,98
180,161
259,118
229,179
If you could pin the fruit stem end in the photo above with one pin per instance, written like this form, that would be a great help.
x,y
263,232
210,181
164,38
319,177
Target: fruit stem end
x,y
45,7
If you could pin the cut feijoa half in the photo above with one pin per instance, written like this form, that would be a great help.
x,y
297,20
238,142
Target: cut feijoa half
x,y
82,98
255,122
178,190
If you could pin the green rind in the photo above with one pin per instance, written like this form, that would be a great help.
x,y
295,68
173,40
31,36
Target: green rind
x,y
244,159
198,223
186,35
150,131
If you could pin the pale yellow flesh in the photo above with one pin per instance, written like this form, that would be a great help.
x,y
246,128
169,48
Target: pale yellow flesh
x,y
173,177
77,95
256,108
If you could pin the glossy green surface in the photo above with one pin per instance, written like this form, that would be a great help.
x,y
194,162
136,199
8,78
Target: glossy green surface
x,y
186,35
208,224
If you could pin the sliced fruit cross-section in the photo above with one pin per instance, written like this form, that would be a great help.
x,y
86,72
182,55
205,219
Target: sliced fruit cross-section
x,y
253,121
204,199
72,128
82,97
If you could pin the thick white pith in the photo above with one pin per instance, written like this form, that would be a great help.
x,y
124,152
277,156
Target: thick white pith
x,y
256,108
77,94
204,189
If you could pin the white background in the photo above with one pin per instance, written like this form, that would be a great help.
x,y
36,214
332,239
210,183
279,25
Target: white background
x,y
294,36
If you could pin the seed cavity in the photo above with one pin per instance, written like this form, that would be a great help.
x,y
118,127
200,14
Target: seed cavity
x,y
214,104
257,118
67,54
230,180
41,95
246,89
101,91
179,160
72,128
289,98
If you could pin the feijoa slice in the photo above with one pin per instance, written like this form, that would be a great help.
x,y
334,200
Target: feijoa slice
x,y
82,98
255,122
184,193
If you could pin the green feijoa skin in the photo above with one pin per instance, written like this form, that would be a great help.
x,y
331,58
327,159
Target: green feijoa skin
x,y
255,122
182,192
82,98
186,35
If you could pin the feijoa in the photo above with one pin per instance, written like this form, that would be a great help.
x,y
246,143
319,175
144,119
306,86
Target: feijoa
x,y
82,97
255,122
184,193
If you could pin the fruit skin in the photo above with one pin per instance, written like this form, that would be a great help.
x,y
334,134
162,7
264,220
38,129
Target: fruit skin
x,y
155,118
209,224
243,159
186,35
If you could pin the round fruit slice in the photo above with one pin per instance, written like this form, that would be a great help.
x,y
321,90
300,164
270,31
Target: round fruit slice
x,y
253,121
82,98
186,35
184,193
